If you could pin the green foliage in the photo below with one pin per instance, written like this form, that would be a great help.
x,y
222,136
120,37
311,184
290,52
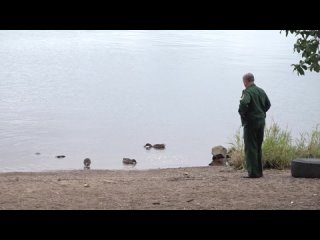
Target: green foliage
x,y
308,45
278,149
237,151
309,144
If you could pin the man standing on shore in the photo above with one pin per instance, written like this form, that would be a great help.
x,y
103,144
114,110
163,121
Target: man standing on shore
x,y
253,106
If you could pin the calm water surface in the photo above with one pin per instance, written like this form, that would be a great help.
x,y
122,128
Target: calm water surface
x,y
104,94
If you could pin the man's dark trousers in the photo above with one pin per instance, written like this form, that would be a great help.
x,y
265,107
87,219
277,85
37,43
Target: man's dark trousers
x,y
253,138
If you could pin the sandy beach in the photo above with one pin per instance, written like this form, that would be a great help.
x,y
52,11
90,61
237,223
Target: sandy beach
x,y
180,188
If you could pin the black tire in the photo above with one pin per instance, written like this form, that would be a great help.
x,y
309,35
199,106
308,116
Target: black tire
x,y
305,168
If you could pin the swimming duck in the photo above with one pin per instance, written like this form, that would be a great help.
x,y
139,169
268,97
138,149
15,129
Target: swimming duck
x,y
129,161
86,163
156,146
159,146
148,146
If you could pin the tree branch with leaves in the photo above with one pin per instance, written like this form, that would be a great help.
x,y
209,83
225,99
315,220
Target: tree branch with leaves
x,y
308,45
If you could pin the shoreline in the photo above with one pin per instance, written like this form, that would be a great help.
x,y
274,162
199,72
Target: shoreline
x,y
96,170
216,187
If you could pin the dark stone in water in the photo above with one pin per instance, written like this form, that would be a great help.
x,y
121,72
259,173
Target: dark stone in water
x,y
37,153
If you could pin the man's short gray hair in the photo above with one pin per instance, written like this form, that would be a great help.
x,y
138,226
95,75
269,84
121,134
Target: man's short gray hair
x,y
248,76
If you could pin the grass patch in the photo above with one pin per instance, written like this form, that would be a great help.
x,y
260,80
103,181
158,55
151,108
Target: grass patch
x,y
278,148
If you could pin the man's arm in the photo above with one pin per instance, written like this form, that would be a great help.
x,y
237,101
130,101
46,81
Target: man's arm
x,y
267,104
244,104
243,107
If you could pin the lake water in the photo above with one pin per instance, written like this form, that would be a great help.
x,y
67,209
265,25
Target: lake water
x,y
105,94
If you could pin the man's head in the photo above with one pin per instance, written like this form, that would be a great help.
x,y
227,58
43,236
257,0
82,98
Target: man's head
x,y
248,79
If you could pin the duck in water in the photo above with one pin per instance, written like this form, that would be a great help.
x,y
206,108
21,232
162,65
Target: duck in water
x,y
86,163
129,161
148,146
159,146
156,146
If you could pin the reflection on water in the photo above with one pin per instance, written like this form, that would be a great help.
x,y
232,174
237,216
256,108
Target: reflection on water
x,y
105,94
